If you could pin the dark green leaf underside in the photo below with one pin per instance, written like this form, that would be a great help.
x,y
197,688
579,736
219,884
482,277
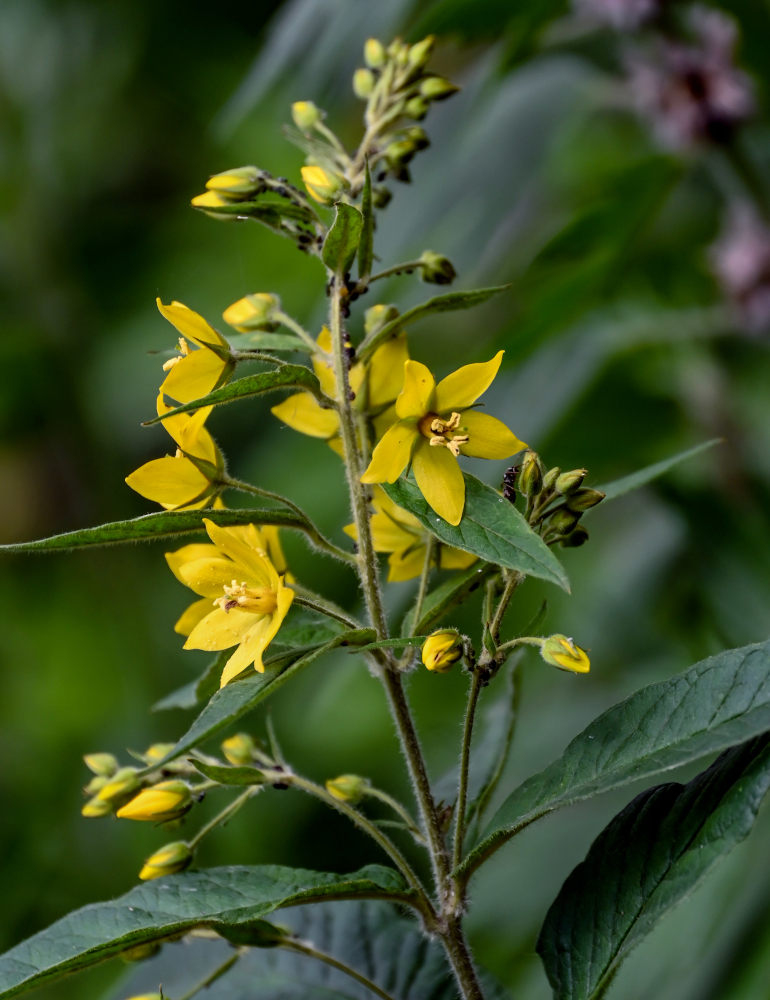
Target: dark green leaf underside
x,y
648,859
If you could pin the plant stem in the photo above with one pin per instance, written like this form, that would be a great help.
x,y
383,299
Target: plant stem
x,y
395,805
409,265
301,332
512,582
315,602
213,976
465,753
230,810
305,948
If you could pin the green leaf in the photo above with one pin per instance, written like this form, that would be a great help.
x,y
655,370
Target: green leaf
x,y
451,592
341,244
449,302
197,691
402,643
217,898
649,858
262,341
234,775
716,704
490,528
285,377
637,479
369,936
154,527
241,696
366,244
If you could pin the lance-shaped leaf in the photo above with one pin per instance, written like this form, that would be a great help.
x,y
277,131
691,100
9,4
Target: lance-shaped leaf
x,y
716,704
366,242
219,898
262,340
285,377
232,775
197,691
648,859
490,528
450,302
449,593
618,487
341,244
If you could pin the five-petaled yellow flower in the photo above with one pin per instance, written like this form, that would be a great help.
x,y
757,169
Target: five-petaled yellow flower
x,y
248,597
435,426
194,373
375,383
398,532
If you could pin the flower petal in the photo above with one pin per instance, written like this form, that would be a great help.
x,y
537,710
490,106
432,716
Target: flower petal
x,y
464,386
386,371
171,482
209,576
416,397
251,563
389,536
488,437
222,629
440,481
190,324
450,558
197,550
406,564
193,376
193,614
392,454
303,413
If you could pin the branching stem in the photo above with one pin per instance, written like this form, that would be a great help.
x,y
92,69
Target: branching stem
x,y
306,948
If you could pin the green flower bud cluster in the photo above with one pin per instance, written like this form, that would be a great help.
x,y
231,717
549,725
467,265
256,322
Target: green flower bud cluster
x,y
114,787
555,500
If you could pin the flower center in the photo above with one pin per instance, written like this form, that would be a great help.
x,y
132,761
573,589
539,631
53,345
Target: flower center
x,y
184,350
440,432
258,600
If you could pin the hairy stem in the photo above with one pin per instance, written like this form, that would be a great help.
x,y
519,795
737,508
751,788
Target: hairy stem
x,y
213,976
306,948
465,755
222,817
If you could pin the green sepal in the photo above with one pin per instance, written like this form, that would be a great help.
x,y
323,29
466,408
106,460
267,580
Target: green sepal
x,y
233,775
341,244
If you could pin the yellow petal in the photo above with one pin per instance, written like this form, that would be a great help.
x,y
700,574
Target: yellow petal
x,y
198,550
463,387
257,640
303,413
193,376
193,614
408,522
386,371
488,437
440,481
392,454
171,482
209,576
406,564
271,542
190,324
450,558
417,396
221,629
389,536
251,563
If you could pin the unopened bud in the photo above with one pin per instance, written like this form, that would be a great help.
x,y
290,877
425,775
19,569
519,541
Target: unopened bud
x,y
575,539
441,649
349,788
169,860
374,53
239,749
417,108
96,807
149,996
400,153
418,137
241,182
550,478
96,784
254,312
381,197
165,801
363,83
562,652
323,186
570,481
104,764
210,201
377,316
530,474
306,115
436,88
584,499
139,953
437,269
157,752
420,53
121,785
563,521
399,52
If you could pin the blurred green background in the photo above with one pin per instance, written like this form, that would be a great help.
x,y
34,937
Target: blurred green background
x,y
619,352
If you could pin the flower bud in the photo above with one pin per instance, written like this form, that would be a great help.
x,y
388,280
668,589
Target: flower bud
x,y
399,52
96,784
584,499
169,860
121,785
96,807
436,88
155,753
104,764
306,115
149,996
417,108
239,183
441,649
349,788
165,801
420,53
568,482
550,479
210,201
377,316
139,953
321,185
381,196
363,83
530,474
418,137
400,152
254,312
575,538
562,652
374,53
436,269
562,521
239,749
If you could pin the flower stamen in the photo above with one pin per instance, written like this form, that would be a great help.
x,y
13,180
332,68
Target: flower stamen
x,y
258,600
438,431
184,350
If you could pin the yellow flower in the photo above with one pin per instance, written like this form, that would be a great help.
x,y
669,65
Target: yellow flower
x,y
168,860
265,538
247,598
321,185
375,383
165,801
435,426
190,478
397,531
441,649
194,373
562,652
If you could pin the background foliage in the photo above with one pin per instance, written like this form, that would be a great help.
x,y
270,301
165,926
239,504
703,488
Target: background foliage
x,y
618,353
